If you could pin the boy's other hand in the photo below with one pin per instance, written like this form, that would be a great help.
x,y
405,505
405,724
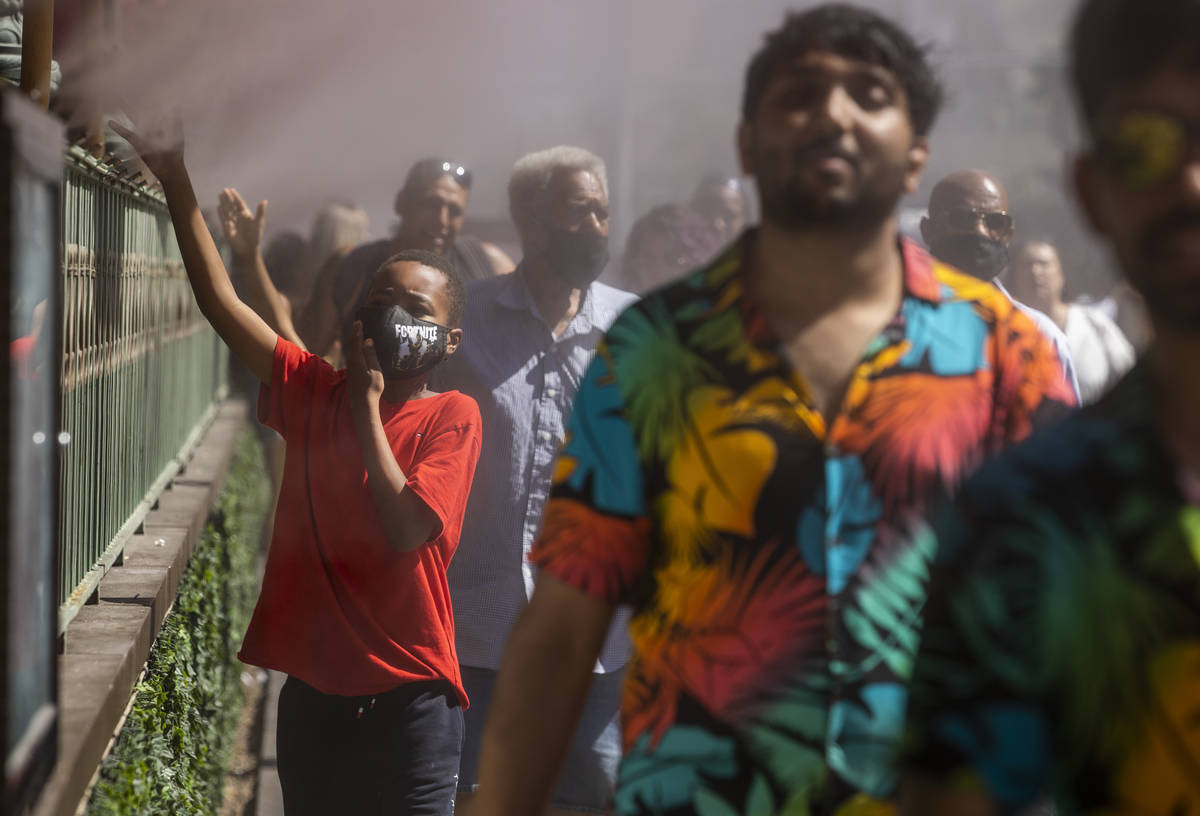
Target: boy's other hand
x,y
159,144
365,374
243,229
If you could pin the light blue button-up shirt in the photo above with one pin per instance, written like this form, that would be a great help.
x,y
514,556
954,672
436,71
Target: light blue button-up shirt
x,y
524,380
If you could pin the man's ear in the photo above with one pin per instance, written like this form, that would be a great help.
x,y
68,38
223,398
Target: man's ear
x,y
928,232
453,340
918,157
398,204
745,141
1086,178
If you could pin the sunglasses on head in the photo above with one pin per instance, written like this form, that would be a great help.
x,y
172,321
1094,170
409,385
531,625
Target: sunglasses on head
x,y
1143,148
964,219
459,173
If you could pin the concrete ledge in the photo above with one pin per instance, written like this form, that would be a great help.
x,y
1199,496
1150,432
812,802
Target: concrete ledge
x,y
176,509
164,553
210,463
112,629
82,736
149,587
107,644
105,653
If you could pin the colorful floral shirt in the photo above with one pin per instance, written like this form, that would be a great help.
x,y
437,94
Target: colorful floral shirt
x,y
1062,649
776,607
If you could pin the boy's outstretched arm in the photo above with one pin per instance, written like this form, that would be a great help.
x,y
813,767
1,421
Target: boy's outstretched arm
x,y
244,231
248,336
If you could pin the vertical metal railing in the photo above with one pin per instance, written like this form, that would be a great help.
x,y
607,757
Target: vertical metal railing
x,y
142,369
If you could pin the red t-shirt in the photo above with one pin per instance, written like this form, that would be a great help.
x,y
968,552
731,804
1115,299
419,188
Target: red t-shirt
x,y
340,609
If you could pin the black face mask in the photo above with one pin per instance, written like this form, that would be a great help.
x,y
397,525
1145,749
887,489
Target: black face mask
x,y
405,345
975,254
579,257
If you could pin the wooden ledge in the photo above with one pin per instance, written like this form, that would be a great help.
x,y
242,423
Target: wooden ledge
x,y
107,643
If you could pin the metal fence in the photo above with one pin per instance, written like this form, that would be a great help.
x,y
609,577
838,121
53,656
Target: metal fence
x,y
142,369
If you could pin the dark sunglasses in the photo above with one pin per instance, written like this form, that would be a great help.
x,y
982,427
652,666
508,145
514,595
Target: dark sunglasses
x,y
964,219
1144,148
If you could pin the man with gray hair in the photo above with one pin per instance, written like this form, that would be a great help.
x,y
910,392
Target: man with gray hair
x,y
530,336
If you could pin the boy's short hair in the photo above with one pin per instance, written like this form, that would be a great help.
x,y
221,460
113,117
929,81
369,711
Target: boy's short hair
x,y
1117,42
456,291
855,33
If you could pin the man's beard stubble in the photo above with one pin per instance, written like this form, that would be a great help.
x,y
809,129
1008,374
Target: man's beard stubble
x,y
792,204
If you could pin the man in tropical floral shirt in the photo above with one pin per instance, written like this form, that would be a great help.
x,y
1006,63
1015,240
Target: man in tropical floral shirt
x,y
744,452
1061,656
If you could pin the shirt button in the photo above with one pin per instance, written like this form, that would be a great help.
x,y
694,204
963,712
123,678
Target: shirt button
x,y
544,436
551,392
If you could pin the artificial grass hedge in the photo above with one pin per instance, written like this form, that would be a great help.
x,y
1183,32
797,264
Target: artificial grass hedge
x,y
171,754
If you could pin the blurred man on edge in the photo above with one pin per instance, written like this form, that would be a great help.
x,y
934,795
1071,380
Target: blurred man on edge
x,y
1061,654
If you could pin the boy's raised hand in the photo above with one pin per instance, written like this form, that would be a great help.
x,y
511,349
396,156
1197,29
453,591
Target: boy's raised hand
x,y
244,232
252,341
158,143
243,229
365,376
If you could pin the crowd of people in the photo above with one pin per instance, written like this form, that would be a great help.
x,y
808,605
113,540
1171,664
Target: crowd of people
x,y
802,517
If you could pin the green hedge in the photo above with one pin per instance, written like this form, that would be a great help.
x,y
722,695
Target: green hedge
x,y
171,755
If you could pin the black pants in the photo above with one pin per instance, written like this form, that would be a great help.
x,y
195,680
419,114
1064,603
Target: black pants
x,y
399,756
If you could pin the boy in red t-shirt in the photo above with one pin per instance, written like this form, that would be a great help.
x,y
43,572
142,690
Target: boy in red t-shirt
x,y
354,605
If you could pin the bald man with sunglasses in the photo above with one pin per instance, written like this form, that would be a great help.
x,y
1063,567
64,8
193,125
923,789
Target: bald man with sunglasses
x,y
969,227
1061,649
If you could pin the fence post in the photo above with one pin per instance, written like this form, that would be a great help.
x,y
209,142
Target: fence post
x,y
37,42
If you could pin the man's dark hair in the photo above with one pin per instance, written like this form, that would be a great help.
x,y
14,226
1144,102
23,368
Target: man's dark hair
x,y
1118,42
855,33
428,170
456,291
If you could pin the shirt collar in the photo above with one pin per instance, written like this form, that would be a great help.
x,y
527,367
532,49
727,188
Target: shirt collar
x,y
514,294
1000,285
919,278
920,282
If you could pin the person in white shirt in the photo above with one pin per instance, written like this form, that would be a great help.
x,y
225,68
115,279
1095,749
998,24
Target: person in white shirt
x,y
1098,347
